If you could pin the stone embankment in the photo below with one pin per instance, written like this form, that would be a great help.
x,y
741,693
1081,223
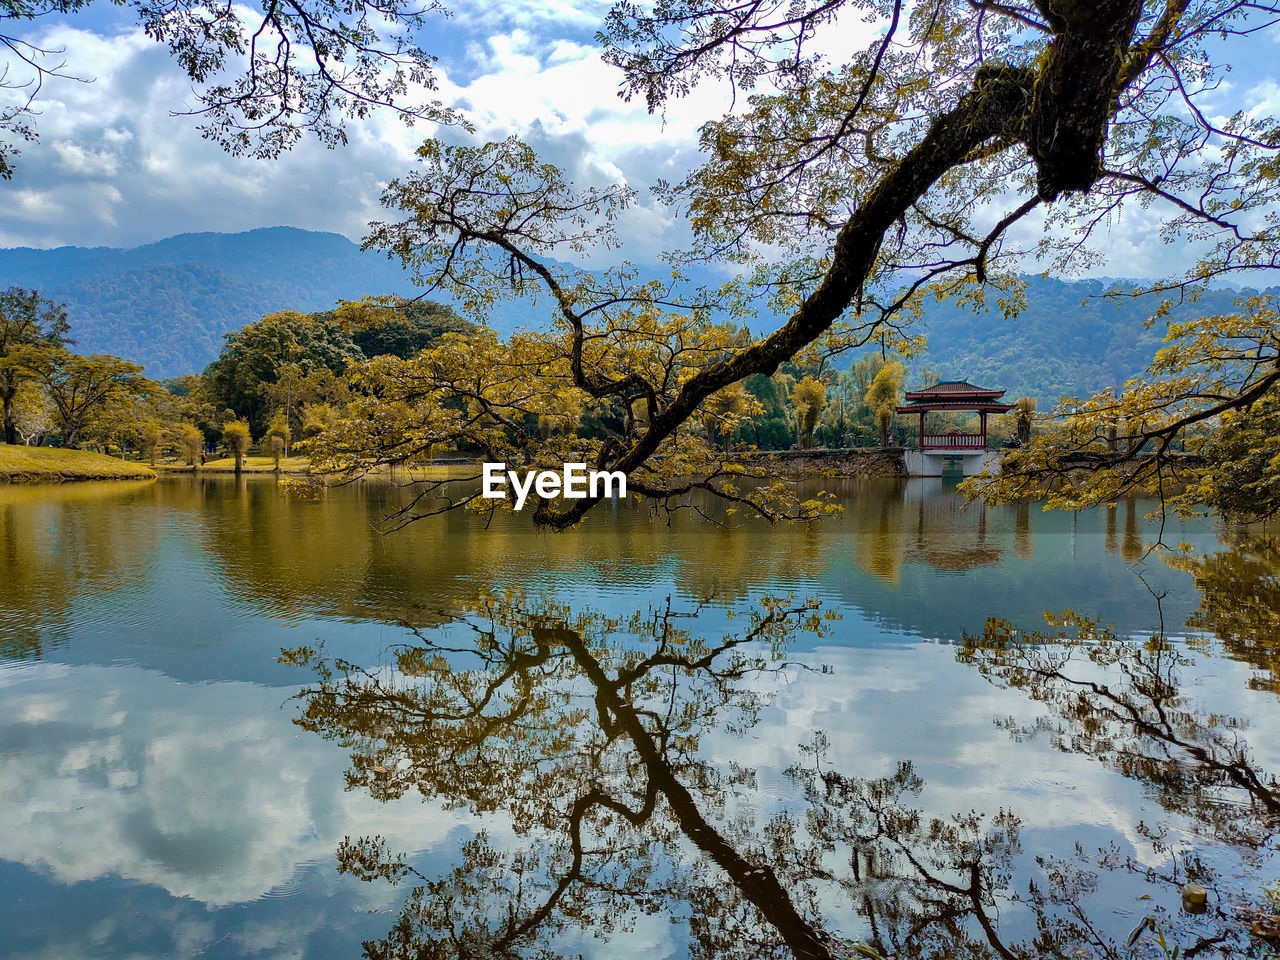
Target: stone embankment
x,y
882,462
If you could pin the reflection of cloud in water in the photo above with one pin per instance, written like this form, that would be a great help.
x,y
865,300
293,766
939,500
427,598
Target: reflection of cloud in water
x,y
205,790
882,705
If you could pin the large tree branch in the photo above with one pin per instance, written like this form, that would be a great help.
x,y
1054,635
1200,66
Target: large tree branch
x,y
997,106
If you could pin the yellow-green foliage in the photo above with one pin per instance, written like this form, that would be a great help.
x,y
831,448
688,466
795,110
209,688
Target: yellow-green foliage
x,y
19,464
276,440
1024,410
263,464
882,397
236,438
729,408
190,442
1212,387
809,397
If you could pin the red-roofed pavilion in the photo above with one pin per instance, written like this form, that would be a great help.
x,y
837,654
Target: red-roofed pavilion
x,y
947,395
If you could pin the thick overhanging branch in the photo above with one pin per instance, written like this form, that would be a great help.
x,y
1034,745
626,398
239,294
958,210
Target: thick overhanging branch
x,y
1071,115
1060,109
996,107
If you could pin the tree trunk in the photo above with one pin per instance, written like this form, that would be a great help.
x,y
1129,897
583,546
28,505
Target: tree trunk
x,y
10,428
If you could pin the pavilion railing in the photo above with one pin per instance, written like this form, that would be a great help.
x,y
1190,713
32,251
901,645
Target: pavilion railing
x,y
953,441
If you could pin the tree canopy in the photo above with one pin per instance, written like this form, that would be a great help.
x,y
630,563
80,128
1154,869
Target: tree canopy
x,y
83,390
262,76
1140,439
409,329
846,191
28,322
284,345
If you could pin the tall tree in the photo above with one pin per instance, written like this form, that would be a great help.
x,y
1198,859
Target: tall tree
x,y
84,388
281,348
810,398
236,437
1024,411
27,320
32,414
729,409
892,174
882,397
189,442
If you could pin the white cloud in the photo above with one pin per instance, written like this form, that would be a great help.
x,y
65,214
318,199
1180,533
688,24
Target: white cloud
x,y
204,790
37,205
83,161
115,167
112,146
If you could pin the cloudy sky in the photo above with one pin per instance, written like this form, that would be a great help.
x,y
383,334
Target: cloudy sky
x,y
115,168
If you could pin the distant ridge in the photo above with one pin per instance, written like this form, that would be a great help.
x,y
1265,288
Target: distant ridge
x,y
168,304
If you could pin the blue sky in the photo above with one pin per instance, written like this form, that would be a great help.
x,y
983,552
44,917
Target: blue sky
x,y
114,168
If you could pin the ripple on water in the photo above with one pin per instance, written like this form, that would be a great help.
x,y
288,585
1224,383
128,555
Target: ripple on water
x,y
286,890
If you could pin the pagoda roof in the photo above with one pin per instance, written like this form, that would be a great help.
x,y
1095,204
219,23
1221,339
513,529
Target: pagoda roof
x,y
954,390
975,405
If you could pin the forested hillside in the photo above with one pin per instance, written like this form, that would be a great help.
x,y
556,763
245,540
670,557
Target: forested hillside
x,y
1069,341
168,304
172,318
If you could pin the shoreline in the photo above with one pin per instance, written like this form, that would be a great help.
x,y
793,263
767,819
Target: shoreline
x,y
33,465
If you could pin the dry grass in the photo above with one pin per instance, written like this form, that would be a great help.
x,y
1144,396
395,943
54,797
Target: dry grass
x,y
19,464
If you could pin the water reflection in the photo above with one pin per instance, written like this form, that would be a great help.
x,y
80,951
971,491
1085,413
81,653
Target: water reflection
x,y
1122,703
188,788
587,733
50,552
1239,592
590,747
149,771
79,559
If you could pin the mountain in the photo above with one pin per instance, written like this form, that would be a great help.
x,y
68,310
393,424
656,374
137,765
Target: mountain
x,y
1068,341
168,304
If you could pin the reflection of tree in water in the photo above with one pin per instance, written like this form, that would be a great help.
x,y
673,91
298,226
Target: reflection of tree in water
x,y
940,531
1121,702
1023,538
1240,603
584,734
304,557
1131,548
940,542
58,542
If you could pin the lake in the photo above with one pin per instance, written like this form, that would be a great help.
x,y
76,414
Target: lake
x,y
239,723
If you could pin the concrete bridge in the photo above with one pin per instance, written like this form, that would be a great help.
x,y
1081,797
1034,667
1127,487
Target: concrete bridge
x,y
929,463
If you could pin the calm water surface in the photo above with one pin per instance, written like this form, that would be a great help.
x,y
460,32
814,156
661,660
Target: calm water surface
x,y
936,730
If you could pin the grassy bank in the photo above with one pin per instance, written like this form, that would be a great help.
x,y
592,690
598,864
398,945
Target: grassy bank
x,y
20,464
